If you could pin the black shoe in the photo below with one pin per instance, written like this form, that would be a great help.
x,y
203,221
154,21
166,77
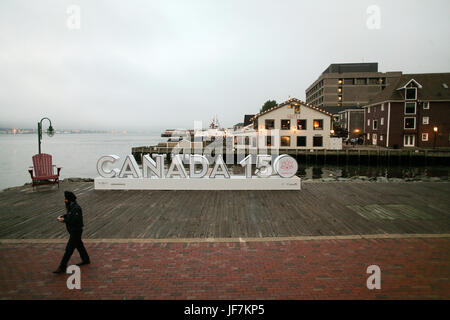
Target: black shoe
x,y
83,263
60,270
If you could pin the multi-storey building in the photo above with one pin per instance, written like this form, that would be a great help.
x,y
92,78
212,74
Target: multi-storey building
x,y
414,111
348,85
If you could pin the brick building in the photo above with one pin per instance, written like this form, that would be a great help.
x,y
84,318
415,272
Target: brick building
x,y
414,111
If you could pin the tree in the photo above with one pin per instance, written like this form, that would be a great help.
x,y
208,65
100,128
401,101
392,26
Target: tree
x,y
268,104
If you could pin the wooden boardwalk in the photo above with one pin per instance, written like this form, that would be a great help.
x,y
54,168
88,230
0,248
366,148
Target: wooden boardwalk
x,y
320,209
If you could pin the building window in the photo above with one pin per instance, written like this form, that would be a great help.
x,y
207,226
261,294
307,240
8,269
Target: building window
x,y
424,136
301,124
285,124
411,93
297,109
317,141
368,109
409,140
426,120
285,141
410,108
381,137
368,136
410,123
368,122
426,105
375,124
382,107
361,81
269,141
349,81
318,124
301,141
373,81
270,124
382,121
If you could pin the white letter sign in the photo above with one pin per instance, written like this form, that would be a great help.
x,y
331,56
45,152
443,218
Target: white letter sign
x,y
154,175
176,168
197,158
130,167
220,164
157,168
100,166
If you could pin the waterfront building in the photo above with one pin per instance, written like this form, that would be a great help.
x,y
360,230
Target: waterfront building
x,y
352,120
295,124
414,111
348,85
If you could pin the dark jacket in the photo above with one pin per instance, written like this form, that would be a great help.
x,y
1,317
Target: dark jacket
x,y
74,218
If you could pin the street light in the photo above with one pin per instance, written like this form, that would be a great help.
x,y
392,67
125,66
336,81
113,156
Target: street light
x,y
50,131
435,129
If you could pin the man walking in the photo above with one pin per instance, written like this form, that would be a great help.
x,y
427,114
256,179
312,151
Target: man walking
x,y
74,224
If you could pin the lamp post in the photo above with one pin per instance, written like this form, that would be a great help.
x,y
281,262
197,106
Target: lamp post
x,y
435,129
50,131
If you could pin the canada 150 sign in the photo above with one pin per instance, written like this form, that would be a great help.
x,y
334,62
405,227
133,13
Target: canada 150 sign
x,y
277,176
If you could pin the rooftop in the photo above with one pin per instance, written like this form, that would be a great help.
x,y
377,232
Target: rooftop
x,y
351,67
433,87
293,101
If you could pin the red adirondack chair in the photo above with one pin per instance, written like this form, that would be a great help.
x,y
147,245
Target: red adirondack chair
x,y
44,172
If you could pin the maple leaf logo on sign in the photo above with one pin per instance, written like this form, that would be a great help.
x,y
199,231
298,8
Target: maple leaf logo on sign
x,y
286,166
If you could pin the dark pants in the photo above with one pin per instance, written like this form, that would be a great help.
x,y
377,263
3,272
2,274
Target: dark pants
x,y
74,243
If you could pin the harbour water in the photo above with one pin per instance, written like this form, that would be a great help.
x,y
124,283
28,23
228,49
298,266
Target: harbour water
x,y
78,155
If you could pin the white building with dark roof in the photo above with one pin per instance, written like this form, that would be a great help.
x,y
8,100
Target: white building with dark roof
x,y
294,124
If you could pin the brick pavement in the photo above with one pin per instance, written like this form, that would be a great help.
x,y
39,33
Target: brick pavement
x,y
314,269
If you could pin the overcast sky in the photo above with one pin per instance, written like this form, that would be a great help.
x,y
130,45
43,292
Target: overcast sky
x,y
161,64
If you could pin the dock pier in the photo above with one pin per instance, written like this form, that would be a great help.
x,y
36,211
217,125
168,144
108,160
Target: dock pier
x,y
347,155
